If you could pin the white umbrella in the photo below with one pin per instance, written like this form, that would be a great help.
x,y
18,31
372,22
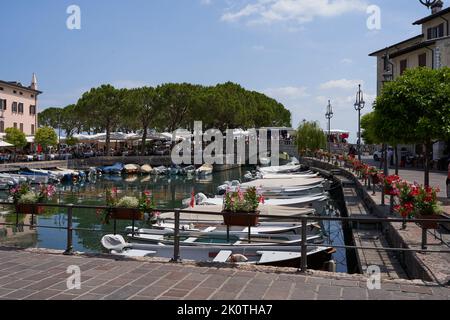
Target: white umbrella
x,y
4,144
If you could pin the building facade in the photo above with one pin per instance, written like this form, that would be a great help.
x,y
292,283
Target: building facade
x,y
19,106
431,48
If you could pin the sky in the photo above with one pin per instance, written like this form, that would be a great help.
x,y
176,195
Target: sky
x,y
300,52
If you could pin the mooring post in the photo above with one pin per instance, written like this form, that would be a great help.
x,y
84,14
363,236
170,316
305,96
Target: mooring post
x,y
69,246
304,257
176,247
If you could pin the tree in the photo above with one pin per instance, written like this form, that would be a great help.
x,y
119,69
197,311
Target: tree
x,y
50,117
142,109
310,137
367,125
71,141
102,108
46,137
415,108
16,137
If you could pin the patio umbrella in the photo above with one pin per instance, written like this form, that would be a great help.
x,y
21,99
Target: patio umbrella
x,y
4,144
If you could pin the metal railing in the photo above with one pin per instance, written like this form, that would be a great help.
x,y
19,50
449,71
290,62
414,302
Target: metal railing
x,y
178,213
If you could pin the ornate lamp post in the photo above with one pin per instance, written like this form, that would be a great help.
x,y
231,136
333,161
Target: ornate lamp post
x,y
359,105
328,116
428,3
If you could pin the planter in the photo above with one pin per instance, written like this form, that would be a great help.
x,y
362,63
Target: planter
x,y
242,219
29,209
126,214
429,224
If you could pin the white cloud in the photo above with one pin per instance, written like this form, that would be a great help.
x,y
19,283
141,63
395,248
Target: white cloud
x,y
346,61
287,93
341,84
300,11
206,2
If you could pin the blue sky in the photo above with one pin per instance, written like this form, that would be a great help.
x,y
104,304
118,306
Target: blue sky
x,y
300,52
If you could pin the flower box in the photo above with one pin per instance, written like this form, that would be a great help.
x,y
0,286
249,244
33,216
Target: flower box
x,y
429,224
242,219
29,209
126,214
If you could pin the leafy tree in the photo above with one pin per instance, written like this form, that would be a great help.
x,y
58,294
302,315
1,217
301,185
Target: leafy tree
x,y
415,108
16,137
71,141
310,136
368,126
46,137
102,109
50,117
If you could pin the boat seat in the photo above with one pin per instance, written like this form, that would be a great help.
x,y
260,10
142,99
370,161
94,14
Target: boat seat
x,y
190,240
223,256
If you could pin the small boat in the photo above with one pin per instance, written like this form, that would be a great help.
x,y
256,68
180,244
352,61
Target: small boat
x,y
34,176
279,256
131,168
146,169
189,170
204,170
117,168
160,170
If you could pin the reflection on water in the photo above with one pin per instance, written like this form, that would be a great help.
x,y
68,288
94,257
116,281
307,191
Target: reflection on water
x,y
168,192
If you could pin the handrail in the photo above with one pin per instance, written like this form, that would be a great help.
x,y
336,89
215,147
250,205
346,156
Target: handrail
x,y
177,217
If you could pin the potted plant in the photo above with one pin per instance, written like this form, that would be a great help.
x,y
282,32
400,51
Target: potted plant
x,y
26,200
128,207
390,185
241,208
427,206
407,200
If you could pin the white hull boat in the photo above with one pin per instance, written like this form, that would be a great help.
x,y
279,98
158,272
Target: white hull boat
x,y
146,169
270,255
131,168
204,170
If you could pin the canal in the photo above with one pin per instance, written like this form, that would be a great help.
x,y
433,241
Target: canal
x,y
168,192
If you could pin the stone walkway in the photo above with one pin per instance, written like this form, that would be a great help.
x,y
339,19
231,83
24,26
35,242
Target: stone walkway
x,y
31,274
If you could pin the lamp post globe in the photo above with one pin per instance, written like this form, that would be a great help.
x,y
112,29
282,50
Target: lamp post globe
x,y
328,116
359,105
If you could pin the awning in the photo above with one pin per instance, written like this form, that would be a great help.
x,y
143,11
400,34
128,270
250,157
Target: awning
x,y
4,144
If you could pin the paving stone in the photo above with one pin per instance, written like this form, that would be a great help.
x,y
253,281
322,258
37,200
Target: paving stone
x,y
176,293
354,294
43,294
152,291
417,289
90,296
200,294
300,294
123,293
20,294
187,284
104,290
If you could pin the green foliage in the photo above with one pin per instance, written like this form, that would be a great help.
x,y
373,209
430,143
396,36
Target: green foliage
x,y
46,137
72,141
310,137
415,108
16,137
240,201
368,129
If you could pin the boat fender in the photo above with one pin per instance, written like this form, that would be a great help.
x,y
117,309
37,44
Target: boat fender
x,y
237,258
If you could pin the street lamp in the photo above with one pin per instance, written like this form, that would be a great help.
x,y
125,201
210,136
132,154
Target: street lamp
x,y
359,105
428,3
328,116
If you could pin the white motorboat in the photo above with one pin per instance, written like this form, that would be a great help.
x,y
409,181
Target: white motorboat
x,y
280,169
146,169
161,170
204,170
131,168
280,256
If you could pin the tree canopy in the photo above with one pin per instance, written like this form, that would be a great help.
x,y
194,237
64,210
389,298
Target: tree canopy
x,y
310,136
15,137
46,137
415,108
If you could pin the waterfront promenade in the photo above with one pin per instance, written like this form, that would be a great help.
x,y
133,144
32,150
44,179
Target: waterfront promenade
x,y
41,275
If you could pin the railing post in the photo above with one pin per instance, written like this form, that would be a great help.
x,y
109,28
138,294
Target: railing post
x,y
304,257
424,239
69,247
176,246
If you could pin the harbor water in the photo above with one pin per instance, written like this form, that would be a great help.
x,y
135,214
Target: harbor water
x,y
168,192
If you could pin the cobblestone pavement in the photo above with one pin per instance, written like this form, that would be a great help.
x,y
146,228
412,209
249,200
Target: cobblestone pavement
x,y
31,274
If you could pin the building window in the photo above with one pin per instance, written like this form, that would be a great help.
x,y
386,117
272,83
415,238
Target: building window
x,y
21,93
15,125
14,107
21,127
423,60
32,110
1,88
21,108
32,95
2,126
2,105
436,32
403,66
32,129
14,91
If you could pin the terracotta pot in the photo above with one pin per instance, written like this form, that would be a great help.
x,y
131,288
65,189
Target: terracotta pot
x,y
29,209
126,214
242,219
429,224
